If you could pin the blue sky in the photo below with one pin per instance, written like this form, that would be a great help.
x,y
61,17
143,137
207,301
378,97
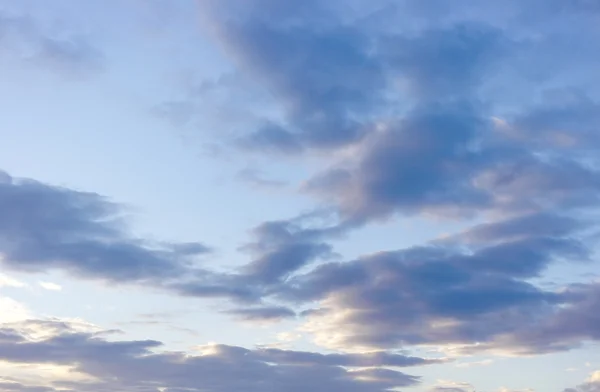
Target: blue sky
x,y
269,195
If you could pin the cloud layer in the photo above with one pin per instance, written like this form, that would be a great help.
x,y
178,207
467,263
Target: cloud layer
x,y
48,228
126,365
483,114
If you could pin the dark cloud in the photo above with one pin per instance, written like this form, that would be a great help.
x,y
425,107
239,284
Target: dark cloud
x,y
566,327
445,62
439,294
348,360
340,74
46,228
414,119
272,138
318,69
438,161
334,77
519,227
262,314
281,248
189,248
217,285
452,295
564,119
132,365
320,74
426,161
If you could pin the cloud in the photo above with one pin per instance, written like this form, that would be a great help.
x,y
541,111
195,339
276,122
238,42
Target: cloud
x,y
50,286
563,118
442,295
425,161
471,289
257,179
446,62
119,365
282,247
7,281
484,362
38,42
518,228
432,80
317,73
566,327
46,228
279,250
12,310
311,67
591,385
332,76
13,386
452,386
448,389
443,159
262,314
348,360
514,390
409,119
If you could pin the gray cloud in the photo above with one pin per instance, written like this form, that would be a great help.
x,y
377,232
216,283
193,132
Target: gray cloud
x,y
282,247
438,162
278,251
132,365
591,385
14,386
47,228
266,313
334,76
448,389
415,119
519,227
257,179
445,295
348,360
565,119
319,73
34,42
423,162
566,327
340,72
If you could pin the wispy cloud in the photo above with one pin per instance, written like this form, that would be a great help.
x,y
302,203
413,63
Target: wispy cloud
x,y
50,286
7,281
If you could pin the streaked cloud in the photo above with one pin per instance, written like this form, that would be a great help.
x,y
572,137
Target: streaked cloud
x,y
50,286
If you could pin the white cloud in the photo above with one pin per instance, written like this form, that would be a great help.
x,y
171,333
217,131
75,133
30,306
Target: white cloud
x,y
452,386
50,286
484,362
7,281
592,384
12,311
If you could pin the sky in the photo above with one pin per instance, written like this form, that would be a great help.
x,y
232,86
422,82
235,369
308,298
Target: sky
x,y
278,195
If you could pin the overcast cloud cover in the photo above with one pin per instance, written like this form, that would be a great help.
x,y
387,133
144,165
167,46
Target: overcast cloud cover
x,y
274,195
